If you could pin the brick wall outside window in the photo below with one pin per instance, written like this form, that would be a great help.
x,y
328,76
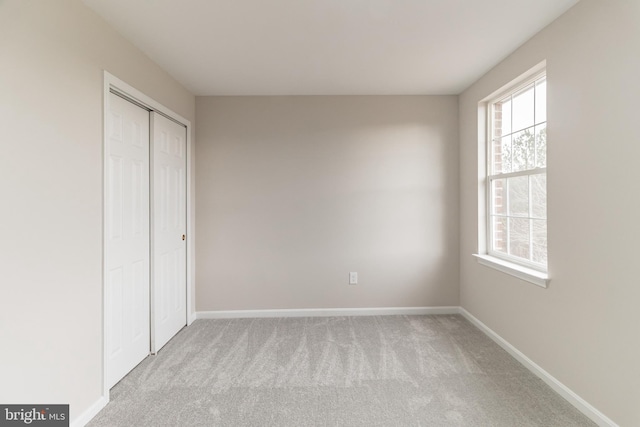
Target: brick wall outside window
x,y
499,231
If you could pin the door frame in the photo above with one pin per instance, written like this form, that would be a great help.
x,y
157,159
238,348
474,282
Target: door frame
x,y
111,82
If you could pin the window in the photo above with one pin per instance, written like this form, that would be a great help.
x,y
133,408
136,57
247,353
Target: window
x,y
517,175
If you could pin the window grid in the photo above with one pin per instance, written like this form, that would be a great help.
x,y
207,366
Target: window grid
x,y
500,182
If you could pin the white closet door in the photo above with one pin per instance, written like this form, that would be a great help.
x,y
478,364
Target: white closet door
x,y
127,237
169,246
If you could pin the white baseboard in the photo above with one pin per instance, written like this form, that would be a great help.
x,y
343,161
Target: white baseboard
x,y
564,391
90,412
326,312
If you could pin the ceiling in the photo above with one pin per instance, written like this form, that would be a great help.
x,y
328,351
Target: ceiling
x,y
328,47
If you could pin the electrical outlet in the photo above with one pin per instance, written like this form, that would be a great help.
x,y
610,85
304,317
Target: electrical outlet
x,y
353,278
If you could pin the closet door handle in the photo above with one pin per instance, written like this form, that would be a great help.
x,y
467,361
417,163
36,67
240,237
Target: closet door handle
x,y
184,237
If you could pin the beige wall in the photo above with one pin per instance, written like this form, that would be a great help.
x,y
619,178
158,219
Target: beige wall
x,y
295,192
585,328
51,79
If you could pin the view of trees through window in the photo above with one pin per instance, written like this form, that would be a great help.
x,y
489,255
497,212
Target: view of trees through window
x,y
517,175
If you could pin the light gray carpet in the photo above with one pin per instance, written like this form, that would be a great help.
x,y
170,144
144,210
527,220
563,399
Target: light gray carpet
x,y
336,371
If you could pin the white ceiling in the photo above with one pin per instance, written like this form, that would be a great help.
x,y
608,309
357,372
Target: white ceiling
x,y
328,47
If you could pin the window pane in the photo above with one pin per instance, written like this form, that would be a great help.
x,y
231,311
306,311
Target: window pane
x,y
496,160
522,145
498,199
539,195
497,120
519,233
530,137
501,162
523,109
541,146
518,196
502,118
499,234
539,241
541,100
506,155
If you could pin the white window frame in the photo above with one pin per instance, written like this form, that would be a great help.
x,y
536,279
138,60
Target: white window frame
x,y
515,266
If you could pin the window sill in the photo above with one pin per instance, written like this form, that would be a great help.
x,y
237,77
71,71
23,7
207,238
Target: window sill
x,y
527,274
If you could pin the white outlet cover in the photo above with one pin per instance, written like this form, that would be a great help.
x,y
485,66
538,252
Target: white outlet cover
x,y
353,278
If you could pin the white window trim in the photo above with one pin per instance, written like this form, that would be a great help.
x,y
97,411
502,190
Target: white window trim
x,y
516,270
521,269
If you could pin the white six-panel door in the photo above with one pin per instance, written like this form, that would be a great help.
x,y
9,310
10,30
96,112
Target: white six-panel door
x,y
126,237
169,246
